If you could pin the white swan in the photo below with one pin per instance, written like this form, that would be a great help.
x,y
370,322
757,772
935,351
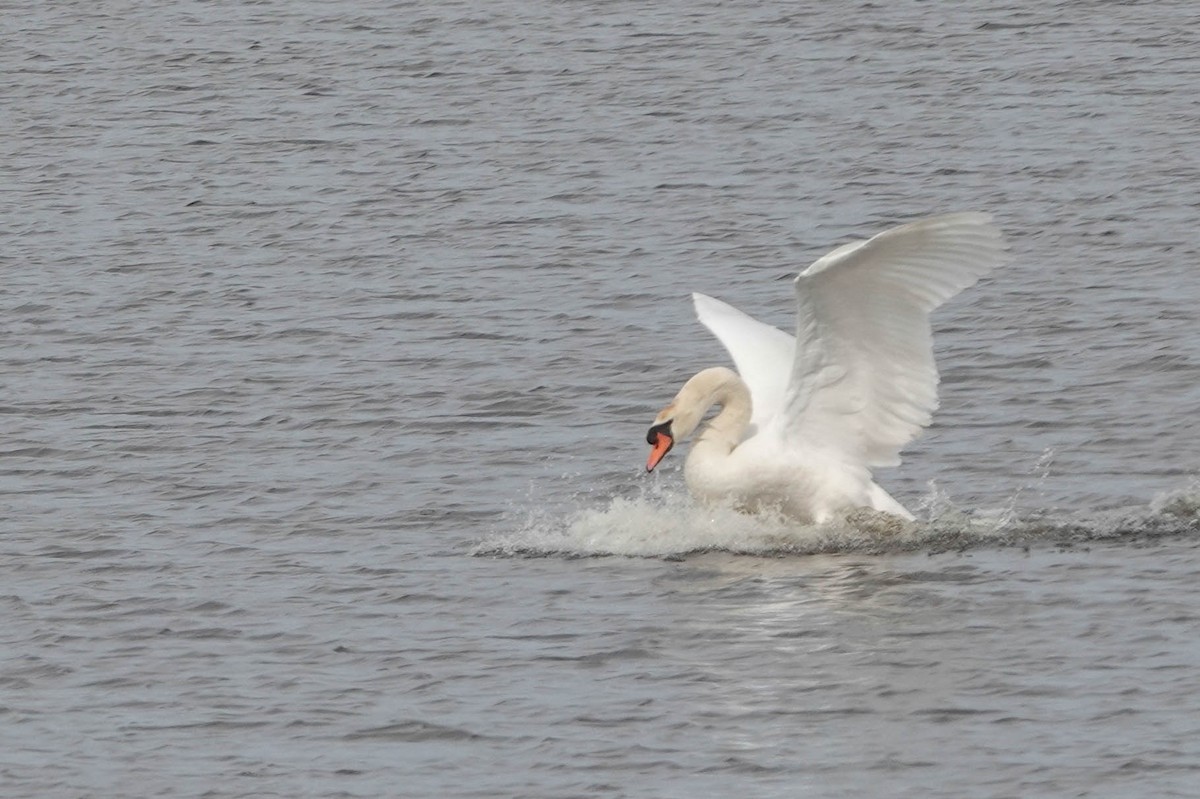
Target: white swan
x,y
810,416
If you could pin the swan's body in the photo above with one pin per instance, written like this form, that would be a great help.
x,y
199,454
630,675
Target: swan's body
x,y
806,418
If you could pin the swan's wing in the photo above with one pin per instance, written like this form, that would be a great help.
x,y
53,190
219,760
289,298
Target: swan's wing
x,y
762,354
864,383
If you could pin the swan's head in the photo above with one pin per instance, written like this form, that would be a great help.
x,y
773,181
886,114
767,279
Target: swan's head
x,y
674,423
661,440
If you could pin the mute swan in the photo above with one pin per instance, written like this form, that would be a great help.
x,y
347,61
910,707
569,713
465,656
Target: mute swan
x,y
804,420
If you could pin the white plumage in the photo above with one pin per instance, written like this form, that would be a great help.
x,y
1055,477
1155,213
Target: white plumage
x,y
855,384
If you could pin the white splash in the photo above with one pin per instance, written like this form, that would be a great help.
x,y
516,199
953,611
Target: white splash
x,y
658,521
661,522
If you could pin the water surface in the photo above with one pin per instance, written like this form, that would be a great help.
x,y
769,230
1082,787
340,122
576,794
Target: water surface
x,y
332,332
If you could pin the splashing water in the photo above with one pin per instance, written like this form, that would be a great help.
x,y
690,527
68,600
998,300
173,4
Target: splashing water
x,y
665,522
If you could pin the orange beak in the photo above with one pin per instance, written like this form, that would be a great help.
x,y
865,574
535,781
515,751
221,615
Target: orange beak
x,y
662,445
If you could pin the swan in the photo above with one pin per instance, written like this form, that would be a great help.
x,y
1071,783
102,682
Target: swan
x,y
805,419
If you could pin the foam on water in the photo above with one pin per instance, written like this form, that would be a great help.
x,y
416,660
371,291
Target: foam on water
x,y
664,522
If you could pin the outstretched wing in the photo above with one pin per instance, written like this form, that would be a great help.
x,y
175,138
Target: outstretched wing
x,y
762,354
863,382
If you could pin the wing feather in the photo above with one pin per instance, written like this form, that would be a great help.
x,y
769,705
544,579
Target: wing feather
x,y
863,381
762,354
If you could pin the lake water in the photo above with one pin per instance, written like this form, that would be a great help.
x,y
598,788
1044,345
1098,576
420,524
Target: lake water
x,y
333,331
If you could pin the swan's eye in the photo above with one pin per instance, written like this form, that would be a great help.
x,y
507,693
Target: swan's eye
x,y
662,427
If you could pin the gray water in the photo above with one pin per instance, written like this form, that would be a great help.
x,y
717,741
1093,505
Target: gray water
x,y
332,332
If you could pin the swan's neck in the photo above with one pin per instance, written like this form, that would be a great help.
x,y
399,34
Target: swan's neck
x,y
717,386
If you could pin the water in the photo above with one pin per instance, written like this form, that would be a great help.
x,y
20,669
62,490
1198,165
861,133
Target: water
x,y
332,332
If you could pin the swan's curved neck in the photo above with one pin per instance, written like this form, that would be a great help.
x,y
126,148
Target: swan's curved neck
x,y
716,386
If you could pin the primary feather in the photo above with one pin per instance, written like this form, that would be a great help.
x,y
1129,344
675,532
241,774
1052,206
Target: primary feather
x,y
863,381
